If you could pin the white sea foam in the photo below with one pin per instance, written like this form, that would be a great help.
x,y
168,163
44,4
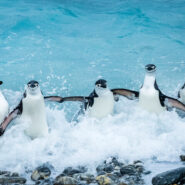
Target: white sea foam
x,y
129,134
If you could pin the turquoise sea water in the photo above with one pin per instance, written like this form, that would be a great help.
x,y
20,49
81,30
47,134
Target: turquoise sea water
x,y
67,45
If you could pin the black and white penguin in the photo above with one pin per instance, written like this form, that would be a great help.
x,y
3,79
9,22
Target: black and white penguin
x,y
181,94
32,109
150,97
3,106
100,102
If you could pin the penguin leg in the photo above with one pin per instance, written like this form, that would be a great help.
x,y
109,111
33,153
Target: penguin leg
x,y
174,103
131,95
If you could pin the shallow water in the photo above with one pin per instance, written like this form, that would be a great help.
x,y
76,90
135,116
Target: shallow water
x,y
67,46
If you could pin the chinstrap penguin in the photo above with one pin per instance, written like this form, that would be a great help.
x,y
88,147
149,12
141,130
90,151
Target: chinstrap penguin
x,y
3,106
100,102
32,109
151,98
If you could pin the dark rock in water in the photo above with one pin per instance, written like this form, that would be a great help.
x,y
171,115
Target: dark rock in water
x,y
138,162
11,178
128,170
84,177
176,176
41,173
182,157
65,180
113,161
108,168
45,182
71,171
117,171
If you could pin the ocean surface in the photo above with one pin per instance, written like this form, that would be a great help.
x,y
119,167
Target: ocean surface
x,y
66,45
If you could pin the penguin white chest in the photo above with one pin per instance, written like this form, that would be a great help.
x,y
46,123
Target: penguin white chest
x,y
3,107
34,113
103,106
149,100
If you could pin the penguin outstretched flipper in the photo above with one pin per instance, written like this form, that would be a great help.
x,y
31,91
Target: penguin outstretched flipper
x,y
174,103
131,95
8,119
61,100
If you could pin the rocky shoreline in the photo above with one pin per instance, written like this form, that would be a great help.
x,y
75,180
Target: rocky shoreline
x,y
110,172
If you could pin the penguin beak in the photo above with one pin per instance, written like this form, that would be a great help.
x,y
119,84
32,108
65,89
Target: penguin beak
x,y
1,82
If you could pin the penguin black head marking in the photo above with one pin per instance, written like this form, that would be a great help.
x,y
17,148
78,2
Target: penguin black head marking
x,y
101,83
150,68
1,82
32,86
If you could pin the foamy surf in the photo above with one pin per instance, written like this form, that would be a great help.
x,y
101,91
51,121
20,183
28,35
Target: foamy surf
x,y
129,134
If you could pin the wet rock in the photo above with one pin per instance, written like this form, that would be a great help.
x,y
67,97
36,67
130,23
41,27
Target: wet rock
x,y
113,161
175,176
108,168
41,173
138,162
113,177
11,178
88,178
128,170
71,171
65,180
45,182
103,180
147,172
182,157
117,171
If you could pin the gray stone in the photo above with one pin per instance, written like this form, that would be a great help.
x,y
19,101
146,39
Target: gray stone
x,y
128,170
71,171
103,180
40,173
65,180
182,157
170,177
88,178
108,168
7,177
13,180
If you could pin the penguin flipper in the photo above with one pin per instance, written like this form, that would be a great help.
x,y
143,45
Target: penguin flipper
x,y
75,98
8,119
54,98
131,95
70,98
174,103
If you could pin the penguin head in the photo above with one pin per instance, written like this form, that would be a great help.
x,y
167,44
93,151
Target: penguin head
x,y
101,83
150,68
33,87
100,86
1,82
